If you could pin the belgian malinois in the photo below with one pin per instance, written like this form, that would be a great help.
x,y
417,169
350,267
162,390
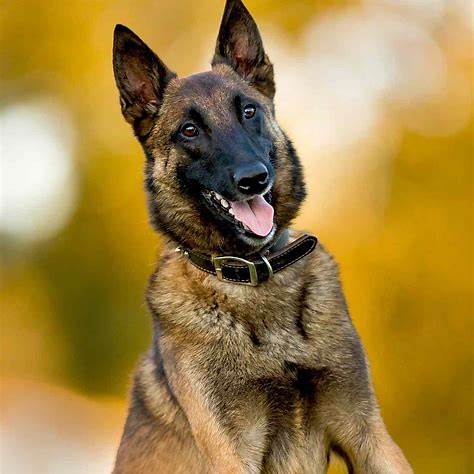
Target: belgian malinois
x,y
255,366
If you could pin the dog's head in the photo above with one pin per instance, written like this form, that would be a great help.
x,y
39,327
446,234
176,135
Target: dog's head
x,y
221,175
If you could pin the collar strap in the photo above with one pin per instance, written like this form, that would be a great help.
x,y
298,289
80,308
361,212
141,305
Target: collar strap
x,y
254,269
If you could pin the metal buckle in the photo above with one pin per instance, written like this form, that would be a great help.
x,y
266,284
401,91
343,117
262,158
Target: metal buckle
x,y
267,263
217,262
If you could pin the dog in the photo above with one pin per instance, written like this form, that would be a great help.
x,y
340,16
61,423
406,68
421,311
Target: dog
x,y
255,365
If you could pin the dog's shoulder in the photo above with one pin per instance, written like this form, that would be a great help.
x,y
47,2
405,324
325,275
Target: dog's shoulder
x,y
321,272
323,262
323,284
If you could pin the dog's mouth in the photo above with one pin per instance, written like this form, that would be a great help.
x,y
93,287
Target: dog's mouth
x,y
253,217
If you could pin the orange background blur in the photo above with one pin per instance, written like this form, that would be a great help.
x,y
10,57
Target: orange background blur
x,y
376,95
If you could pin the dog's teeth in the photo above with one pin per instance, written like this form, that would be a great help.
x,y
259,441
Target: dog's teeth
x,y
224,203
231,212
218,196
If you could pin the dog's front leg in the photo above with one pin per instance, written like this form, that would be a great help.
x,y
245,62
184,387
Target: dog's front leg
x,y
368,447
217,447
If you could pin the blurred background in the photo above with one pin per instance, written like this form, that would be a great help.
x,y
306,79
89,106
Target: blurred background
x,y
377,98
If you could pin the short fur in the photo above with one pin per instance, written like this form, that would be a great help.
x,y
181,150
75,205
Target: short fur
x,y
239,379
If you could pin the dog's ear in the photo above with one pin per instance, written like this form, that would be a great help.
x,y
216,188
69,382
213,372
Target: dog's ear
x,y
141,78
239,45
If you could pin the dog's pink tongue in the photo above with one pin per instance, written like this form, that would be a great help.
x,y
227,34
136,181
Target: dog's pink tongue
x,y
256,214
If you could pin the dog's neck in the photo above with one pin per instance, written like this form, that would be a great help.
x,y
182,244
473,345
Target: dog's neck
x,y
253,268
278,243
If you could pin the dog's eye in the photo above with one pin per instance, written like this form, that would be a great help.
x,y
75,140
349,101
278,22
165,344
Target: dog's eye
x,y
189,130
249,111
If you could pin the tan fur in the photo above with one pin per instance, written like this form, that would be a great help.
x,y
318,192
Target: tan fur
x,y
203,320
246,380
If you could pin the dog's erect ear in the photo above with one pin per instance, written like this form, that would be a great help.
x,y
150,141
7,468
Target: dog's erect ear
x,y
141,78
239,44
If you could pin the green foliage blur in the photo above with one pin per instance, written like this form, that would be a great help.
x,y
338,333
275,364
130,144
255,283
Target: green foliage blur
x,y
73,311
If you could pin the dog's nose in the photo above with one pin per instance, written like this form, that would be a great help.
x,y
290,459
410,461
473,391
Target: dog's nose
x,y
251,178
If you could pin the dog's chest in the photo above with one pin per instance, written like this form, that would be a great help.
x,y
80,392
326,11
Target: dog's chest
x,y
257,326
251,332
254,352
257,347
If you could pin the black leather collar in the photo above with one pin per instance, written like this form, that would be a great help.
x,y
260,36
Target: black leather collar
x,y
255,268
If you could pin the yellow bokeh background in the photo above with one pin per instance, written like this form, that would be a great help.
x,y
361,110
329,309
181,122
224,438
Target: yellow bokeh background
x,y
377,96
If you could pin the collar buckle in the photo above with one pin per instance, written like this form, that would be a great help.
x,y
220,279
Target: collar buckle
x,y
218,261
